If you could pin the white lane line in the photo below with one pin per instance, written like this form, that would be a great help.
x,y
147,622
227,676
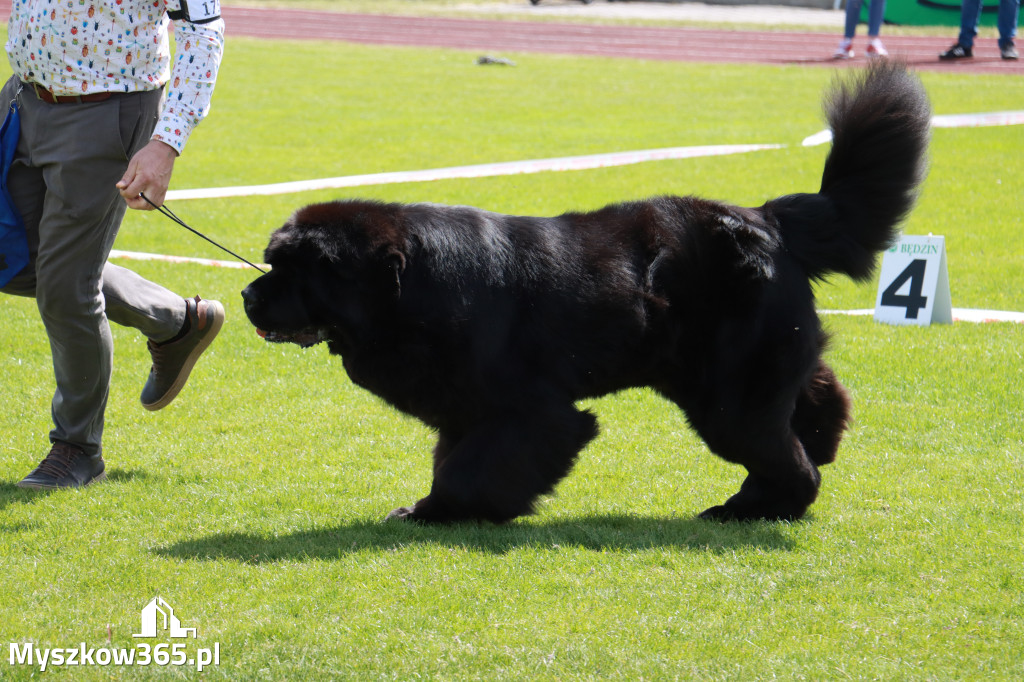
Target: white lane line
x,y
994,118
567,163
209,262
959,314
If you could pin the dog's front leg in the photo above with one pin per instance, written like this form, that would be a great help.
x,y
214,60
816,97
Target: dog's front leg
x,y
497,471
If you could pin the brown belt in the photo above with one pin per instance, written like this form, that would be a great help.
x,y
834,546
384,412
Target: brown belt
x,y
50,98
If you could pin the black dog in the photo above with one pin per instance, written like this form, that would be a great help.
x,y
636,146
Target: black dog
x,y
490,327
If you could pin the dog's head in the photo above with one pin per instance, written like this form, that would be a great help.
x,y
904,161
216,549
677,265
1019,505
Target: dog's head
x,y
336,269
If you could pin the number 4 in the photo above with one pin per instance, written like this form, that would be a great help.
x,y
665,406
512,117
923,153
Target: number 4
x,y
913,301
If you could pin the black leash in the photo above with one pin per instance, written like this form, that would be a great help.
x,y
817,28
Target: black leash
x,y
170,214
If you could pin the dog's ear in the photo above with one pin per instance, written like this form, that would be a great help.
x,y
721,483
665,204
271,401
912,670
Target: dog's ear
x,y
393,261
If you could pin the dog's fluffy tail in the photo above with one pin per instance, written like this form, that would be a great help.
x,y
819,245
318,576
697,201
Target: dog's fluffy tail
x,y
880,129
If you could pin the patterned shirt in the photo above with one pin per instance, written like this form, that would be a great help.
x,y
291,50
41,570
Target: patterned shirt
x,y
77,47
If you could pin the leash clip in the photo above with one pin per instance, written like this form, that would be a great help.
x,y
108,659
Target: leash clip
x,y
14,100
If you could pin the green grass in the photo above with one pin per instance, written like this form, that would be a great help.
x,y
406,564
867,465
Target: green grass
x,y
253,503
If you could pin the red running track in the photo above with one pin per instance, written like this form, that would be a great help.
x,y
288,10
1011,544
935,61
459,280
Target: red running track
x,y
636,42
658,43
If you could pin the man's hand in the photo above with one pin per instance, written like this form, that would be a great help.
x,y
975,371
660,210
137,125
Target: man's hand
x,y
149,172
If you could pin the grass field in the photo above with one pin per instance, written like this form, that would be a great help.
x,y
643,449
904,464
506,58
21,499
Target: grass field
x,y
253,503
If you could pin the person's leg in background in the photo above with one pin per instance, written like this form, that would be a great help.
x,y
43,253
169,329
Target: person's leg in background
x,y
1009,11
845,49
876,15
970,15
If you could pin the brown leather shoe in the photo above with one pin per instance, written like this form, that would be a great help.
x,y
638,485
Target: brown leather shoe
x,y
173,361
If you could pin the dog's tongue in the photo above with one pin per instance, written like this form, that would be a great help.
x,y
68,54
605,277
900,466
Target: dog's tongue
x,y
260,333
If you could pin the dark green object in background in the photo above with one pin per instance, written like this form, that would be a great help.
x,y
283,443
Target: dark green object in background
x,y
930,12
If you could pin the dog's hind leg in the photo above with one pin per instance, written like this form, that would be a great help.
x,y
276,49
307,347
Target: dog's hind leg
x,y
496,471
751,426
822,415
781,482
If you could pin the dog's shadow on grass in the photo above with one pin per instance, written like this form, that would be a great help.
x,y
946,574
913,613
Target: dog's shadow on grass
x,y
599,533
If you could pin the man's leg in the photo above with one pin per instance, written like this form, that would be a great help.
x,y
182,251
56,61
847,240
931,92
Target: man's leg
x,y
133,301
876,15
970,15
68,200
63,182
1009,11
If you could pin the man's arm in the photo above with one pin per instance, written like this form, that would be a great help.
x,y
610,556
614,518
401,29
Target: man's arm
x,y
199,36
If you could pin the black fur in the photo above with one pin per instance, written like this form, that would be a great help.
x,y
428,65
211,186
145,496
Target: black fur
x,y
490,327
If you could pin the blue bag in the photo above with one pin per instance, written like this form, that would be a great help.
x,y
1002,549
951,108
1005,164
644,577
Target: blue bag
x,y
13,240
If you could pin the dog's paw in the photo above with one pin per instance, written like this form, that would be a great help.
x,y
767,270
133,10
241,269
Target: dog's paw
x,y
427,513
401,514
718,513
725,513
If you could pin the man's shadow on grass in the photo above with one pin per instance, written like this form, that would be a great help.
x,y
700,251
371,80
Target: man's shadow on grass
x,y
597,533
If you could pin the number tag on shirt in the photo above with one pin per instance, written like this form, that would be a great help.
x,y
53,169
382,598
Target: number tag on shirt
x,y
200,11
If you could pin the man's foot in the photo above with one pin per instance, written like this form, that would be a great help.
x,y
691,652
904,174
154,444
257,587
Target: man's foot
x,y
1008,52
958,51
845,50
173,360
67,466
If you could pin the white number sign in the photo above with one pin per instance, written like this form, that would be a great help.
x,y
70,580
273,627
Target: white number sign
x,y
914,284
